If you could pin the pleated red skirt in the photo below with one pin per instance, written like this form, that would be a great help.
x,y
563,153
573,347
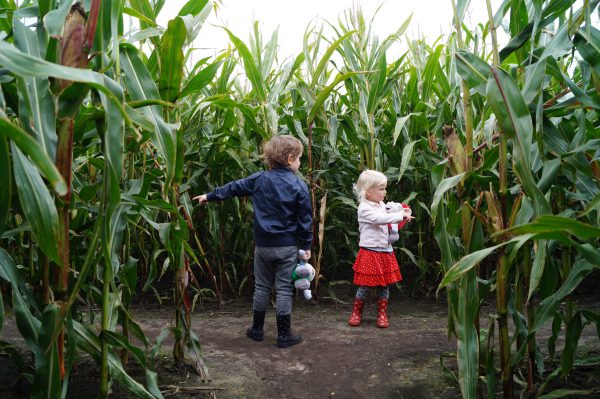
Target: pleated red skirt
x,y
373,268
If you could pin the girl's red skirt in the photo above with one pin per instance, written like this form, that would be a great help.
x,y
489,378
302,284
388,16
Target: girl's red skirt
x,y
373,268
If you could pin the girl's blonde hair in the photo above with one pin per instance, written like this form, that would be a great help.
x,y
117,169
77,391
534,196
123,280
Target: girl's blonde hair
x,y
278,149
366,181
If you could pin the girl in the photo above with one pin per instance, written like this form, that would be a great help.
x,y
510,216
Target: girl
x,y
375,264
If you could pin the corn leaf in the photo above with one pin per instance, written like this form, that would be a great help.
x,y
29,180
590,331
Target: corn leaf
x,y
46,382
38,110
171,59
121,341
37,203
144,8
22,64
89,342
537,267
467,263
467,344
6,178
28,325
461,8
513,116
201,79
141,86
149,23
534,80
54,20
553,224
325,93
376,83
546,308
193,7
473,70
407,152
326,57
445,185
431,67
252,71
572,335
1,314
587,42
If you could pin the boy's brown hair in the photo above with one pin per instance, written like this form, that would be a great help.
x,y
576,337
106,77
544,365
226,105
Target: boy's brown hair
x,y
278,149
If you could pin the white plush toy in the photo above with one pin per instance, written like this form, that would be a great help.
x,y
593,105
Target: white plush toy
x,y
393,228
302,275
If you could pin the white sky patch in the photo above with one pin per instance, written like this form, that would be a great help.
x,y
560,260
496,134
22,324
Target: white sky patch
x,y
431,18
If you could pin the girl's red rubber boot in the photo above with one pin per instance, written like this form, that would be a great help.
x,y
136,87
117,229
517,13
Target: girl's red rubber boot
x,y
382,320
356,316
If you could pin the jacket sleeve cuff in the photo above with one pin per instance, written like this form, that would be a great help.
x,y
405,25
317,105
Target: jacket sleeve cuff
x,y
211,196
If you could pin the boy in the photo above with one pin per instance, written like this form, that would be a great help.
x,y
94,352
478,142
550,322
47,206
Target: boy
x,y
282,224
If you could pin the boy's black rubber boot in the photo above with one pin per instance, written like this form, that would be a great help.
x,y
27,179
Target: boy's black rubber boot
x,y
284,334
256,332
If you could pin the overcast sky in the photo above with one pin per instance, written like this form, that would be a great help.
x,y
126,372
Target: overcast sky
x,y
430,19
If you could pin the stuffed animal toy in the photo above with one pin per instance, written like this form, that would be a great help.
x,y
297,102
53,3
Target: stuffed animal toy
x,y
302,275
393,228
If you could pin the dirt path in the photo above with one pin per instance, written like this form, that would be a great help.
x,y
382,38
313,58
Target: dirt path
x,y
334,361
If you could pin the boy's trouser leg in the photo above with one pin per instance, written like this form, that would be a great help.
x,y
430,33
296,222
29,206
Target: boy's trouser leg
x,y
263,280
274,265
286,259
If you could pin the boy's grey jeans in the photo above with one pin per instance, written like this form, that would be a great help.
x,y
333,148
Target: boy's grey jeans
x,y
274,265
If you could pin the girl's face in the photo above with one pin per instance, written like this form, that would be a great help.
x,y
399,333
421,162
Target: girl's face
x,y
377,193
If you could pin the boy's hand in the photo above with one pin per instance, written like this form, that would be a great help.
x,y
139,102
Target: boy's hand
x,y
201,199
306,254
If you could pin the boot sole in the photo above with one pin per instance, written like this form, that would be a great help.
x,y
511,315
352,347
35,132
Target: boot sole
x,y
287,344
254,337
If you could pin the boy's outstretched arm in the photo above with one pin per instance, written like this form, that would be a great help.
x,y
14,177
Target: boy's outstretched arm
x,y
237,188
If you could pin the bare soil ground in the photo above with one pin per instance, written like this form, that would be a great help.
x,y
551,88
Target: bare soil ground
x,y
334,361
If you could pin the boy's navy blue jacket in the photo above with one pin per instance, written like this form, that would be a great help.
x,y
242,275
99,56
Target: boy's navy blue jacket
x,y
282,207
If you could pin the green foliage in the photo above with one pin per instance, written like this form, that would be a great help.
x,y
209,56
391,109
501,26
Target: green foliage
x,y
499,162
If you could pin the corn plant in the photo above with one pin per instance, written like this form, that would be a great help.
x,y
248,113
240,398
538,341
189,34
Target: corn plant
x,y
105,132
60,117
525,110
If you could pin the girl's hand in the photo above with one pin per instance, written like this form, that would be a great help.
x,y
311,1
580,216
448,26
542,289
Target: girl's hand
x,y
201,199
407,210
